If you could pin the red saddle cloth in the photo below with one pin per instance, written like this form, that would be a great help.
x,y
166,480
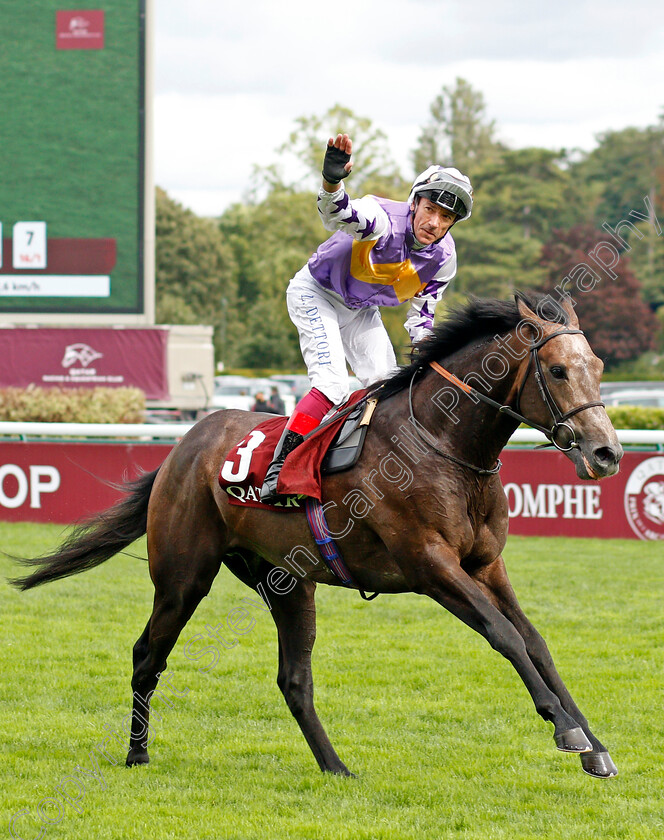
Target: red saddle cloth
x,y
243,472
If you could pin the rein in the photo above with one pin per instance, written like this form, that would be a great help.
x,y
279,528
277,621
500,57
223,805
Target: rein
x,y
415,423
559,418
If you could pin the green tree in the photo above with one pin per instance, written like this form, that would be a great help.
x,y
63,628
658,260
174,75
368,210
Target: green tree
x,y
301,157
624,168
458,132
495,260
194,267
529,189
270,241
626,173
518,202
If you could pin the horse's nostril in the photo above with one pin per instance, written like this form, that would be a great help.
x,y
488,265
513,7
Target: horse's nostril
x,y
606,455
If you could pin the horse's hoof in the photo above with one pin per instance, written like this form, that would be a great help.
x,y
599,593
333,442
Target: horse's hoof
x,y
598,764
135,757
340,771
573,740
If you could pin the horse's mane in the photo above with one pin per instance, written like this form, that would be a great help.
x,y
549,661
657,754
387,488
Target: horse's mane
x,y
480,318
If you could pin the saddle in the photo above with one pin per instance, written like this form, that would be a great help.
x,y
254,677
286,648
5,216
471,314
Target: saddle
x,y
346,448
334,449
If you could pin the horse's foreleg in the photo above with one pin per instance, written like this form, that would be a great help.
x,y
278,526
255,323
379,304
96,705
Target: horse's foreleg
x,y
494,580
439,575
295,616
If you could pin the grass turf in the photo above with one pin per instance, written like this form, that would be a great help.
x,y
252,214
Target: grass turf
x,y
438,727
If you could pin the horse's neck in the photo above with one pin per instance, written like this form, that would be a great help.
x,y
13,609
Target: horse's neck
x,y
471,426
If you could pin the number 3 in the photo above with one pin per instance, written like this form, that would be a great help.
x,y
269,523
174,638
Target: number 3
x,y
246,453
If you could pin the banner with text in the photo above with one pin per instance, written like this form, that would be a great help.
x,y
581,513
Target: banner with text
x,y
63,482
71,358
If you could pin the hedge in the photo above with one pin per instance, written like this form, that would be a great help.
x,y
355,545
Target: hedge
x,y
636,417
72,405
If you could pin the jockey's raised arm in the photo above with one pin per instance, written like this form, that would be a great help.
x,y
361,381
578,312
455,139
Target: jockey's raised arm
x,y
382,253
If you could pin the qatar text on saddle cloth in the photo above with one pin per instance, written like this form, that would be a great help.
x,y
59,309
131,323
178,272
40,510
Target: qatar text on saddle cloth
x,y
244,468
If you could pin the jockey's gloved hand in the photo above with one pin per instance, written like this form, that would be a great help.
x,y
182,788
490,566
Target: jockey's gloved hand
x,y
334,165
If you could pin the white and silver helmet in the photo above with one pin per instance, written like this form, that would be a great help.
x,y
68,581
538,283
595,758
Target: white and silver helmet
x,y
446,187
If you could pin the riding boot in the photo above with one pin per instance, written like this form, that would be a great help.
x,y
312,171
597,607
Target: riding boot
x,y
288,441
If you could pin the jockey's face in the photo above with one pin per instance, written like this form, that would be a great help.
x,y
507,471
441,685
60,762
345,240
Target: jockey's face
x,y
431,222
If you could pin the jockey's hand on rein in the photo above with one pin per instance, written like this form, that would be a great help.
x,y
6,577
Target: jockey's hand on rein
x,y
333,165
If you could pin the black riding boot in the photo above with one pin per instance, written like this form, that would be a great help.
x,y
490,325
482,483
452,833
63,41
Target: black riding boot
x,y
288,441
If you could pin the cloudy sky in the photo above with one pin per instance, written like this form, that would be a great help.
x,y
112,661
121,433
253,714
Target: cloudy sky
x,y
231,76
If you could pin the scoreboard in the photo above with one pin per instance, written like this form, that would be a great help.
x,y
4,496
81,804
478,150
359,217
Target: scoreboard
x,y
76,197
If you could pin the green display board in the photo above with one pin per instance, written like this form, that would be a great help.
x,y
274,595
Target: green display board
x,y
72,147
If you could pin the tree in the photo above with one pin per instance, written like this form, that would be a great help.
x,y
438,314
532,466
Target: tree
x,y
531,190
270,241
301,157
458,132
194,268
624,167
618,324
518,201
626,173
495,259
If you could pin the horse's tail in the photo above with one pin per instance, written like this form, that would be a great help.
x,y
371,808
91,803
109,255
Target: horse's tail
x,y
97,539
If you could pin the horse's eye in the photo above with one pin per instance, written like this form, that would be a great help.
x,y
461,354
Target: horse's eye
x,y
557,372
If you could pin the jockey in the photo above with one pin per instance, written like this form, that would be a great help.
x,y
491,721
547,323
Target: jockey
x,y
382,254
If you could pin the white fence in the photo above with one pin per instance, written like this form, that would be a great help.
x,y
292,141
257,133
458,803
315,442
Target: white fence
x,y
173,431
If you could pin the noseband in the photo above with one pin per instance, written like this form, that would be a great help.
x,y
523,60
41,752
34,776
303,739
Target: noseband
x,y
559,418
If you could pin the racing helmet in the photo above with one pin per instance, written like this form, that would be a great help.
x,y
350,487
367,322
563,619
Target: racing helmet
x,y
446,187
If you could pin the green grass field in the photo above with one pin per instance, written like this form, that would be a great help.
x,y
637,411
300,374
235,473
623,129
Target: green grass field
x,y
438,727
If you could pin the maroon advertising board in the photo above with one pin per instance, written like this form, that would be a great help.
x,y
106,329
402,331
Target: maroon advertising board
x,y
85,358
63,482
546,498
66,482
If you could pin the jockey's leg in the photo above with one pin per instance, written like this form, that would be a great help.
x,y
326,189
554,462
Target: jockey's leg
x,y
317,317
308,413
367,346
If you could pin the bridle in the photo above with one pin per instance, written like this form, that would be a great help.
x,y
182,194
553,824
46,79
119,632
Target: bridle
x,y
559,417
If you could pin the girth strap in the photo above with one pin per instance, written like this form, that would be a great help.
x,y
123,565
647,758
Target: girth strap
x,y
328,548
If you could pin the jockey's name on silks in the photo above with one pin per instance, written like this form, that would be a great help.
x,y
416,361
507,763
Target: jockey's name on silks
x,y
318,330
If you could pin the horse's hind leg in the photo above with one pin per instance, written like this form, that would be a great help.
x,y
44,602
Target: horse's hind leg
x,y
295,616
181,581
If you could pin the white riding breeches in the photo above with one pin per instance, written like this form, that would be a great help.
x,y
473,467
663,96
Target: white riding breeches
x,y
331,334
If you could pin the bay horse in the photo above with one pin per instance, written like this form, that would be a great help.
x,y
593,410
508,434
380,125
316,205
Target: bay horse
x,y
434,523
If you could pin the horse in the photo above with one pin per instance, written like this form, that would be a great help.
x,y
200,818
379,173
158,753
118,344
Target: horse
x,y
433,522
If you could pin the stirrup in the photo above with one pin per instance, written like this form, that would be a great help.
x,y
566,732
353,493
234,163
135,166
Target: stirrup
x,y
288,441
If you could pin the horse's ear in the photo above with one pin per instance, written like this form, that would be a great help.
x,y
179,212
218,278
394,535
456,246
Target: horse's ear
x,y
550,308
568,306
525,311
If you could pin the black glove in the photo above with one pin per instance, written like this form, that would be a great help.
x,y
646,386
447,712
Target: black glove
x,y
333,165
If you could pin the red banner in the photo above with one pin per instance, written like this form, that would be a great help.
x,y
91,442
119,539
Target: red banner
x,y
63,482
546,498
72,358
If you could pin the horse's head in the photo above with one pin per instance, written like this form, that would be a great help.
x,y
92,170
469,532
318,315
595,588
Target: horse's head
x,y
560,390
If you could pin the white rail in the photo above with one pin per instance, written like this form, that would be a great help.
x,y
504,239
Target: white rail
x,y
173,431
634,436
96,430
